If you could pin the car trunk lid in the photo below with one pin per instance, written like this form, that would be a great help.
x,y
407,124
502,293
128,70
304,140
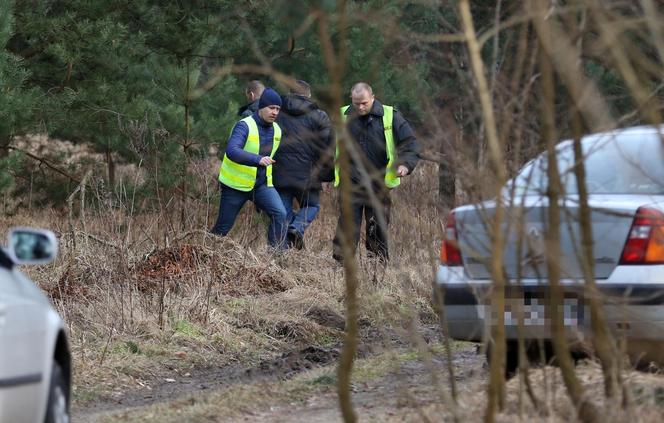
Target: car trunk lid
x,y
525,227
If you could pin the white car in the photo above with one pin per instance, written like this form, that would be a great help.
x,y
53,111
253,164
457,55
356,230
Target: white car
x,y
625,183
35,362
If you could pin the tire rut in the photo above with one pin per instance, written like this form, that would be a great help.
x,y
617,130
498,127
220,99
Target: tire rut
x,y
165,387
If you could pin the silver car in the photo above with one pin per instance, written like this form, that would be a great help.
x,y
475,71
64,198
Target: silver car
x,y
625,183
35,363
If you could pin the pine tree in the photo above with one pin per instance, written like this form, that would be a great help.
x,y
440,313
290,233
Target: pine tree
x,y
16,102
118,75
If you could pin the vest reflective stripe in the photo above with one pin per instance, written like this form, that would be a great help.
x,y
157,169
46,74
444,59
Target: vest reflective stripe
x,y
242,177
391,178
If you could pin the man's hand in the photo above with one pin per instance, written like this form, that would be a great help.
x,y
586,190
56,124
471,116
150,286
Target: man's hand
x,y
266,161
327,187
402,171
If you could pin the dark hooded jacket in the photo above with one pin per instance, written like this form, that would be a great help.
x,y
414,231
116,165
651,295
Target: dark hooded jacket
x,y
305,157
368,134
248,109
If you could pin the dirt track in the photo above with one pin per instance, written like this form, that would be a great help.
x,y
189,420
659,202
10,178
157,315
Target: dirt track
x,y
408,386
163,388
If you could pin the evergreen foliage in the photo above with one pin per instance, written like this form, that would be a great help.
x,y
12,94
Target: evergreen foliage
x,y
126,77
16,102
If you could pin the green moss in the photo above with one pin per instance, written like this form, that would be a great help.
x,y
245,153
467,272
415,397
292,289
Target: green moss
x,y
325,380
133,347
237,303
186,328
154,350
327,340
82,395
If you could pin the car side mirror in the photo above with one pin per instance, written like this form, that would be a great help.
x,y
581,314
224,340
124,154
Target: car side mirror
x,y
32,246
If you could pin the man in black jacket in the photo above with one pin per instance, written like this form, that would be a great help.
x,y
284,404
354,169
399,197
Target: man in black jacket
x,y
253,92
304,159
383,149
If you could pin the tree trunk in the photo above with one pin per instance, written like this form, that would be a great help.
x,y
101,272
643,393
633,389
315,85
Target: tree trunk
x,y
185,147
496,388
110,164
335,62
603,342
586,410
447,169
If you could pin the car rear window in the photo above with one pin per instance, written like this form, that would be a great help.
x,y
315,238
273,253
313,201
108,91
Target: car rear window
x,y
615,164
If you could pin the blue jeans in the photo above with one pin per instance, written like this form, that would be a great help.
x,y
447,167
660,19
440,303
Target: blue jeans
x,y
309,206
266,199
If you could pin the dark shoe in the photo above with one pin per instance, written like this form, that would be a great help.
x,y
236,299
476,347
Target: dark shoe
x,y
382,258
290,240
295,239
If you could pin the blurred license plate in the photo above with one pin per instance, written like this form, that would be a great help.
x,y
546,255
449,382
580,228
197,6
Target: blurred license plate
x,y
536,311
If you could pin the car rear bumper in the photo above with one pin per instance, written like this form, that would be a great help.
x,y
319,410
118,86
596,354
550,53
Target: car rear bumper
x,y
632,310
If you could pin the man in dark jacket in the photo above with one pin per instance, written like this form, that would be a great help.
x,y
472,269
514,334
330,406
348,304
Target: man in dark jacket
x,y
383,149
304,159
253,92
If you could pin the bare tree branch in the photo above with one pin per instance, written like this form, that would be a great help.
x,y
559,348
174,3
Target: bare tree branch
x,y
45,162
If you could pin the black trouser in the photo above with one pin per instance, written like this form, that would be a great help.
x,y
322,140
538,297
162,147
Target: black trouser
x,y
377,218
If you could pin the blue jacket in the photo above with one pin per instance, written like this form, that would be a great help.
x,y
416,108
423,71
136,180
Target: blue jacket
x,y
235,146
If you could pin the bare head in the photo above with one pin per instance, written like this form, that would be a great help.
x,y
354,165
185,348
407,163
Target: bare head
x,y
362,98
301,88
254,90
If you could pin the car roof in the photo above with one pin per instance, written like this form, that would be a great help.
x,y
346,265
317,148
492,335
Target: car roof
x,y
626,132
619,135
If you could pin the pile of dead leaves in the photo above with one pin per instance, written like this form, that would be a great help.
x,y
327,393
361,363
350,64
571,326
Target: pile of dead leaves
x,y
233,272
169,263
68,286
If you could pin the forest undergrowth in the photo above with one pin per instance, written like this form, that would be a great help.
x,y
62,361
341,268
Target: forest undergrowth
x,y
147,305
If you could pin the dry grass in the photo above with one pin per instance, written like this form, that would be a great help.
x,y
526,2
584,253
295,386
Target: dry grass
x,y
145,302
277,400
646,392
150,301
387,388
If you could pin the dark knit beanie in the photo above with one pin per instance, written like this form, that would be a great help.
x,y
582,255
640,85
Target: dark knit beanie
x,y
269,98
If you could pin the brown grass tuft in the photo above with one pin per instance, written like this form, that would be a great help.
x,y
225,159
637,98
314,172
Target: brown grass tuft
x,y
171,262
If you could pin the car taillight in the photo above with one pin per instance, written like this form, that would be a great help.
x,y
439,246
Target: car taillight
x,y
645,243
449,251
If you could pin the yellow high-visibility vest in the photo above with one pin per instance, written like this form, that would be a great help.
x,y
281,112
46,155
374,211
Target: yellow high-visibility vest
x,y
242,177
391,178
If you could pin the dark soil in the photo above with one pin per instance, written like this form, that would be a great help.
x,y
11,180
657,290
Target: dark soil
x,y
167,387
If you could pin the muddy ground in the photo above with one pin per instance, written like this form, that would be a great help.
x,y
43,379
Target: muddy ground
x,y
406,386
393,382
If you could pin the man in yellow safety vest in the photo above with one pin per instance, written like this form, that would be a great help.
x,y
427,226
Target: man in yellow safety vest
x,y
383,149
246,170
